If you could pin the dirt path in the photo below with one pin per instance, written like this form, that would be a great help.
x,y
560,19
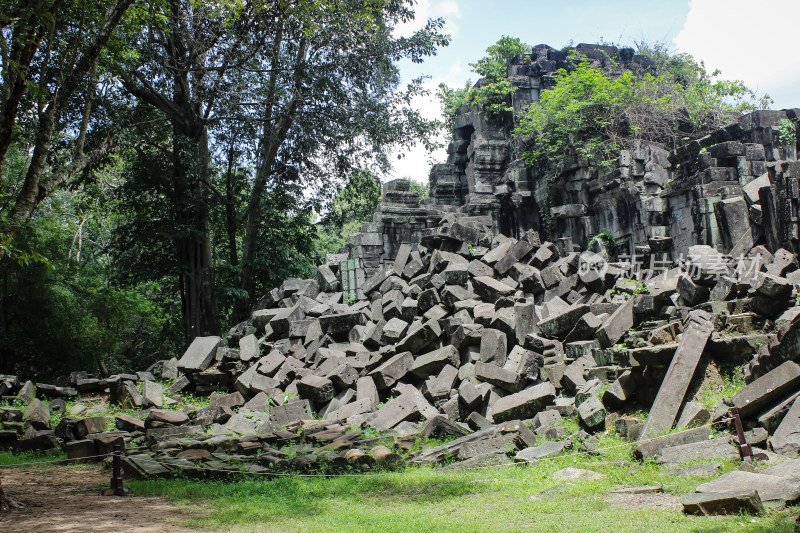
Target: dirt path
x,y
59,499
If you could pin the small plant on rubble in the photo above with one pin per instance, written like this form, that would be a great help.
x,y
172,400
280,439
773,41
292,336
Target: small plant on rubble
x,y
608,241
787,134
637,287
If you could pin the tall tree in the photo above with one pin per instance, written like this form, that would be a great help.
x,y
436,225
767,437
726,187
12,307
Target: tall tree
x,y
186,52
330,102
50,50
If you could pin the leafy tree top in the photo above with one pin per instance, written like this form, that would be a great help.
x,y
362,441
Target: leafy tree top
x,y
594,112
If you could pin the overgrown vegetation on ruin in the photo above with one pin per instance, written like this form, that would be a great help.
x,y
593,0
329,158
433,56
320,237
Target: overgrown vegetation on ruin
x,y
493,92
594,113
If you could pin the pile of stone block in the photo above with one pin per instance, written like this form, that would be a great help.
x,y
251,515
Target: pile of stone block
x,y
492,341
487,342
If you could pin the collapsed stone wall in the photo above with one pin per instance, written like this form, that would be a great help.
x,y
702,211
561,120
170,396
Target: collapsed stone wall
x,y
654,201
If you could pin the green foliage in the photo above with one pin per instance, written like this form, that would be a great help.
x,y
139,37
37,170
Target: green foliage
x,y
592,114
492,92
451,99
787,133
608,241
356,202
712,394
76,312
351,207
423,189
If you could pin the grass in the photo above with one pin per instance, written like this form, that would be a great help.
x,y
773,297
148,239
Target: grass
x,y
8,458
424,500
508,498
523,498
712,394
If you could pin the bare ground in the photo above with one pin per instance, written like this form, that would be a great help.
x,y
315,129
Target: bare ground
x,y
61,499
656,501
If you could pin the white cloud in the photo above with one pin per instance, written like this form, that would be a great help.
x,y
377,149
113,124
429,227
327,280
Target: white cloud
x,y
749,41
415,163
427,9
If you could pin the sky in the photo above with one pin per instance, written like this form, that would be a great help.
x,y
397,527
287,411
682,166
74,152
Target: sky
x,y
749,41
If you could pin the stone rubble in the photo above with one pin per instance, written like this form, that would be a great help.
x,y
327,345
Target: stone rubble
x,y
433,323
315,383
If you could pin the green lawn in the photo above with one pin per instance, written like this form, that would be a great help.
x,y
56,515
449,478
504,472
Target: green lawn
x,y
495,499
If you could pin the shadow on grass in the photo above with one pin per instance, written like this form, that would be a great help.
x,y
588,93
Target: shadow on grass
x,y
776,524
248,500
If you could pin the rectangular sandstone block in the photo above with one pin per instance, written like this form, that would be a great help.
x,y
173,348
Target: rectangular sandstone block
x,y
200,354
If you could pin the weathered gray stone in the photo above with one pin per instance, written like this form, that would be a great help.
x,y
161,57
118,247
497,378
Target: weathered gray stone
x,y
37,414
366,390
397,410
693,415
358,407
440,387
393,330
160,434
175,418
616,325
786,440
433,362
490,289
523,404
576,474
514,254
128,423
547,449
719,448
592,412
669,399
573,378
557,326
284,415
241,425
200,354
316,388
270,363
494,346
505,379
703,470
343,376
152,395
617,394
654,447
499,444
27,393
767,389
774,491
420,337
391,371
248,348
326,279
723,503
341,322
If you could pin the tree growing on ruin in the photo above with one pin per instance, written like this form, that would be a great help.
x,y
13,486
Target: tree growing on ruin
x,y
594,112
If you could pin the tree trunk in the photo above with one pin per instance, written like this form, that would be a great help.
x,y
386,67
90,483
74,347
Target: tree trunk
x,y
231,222
272,139
193,246
242,305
